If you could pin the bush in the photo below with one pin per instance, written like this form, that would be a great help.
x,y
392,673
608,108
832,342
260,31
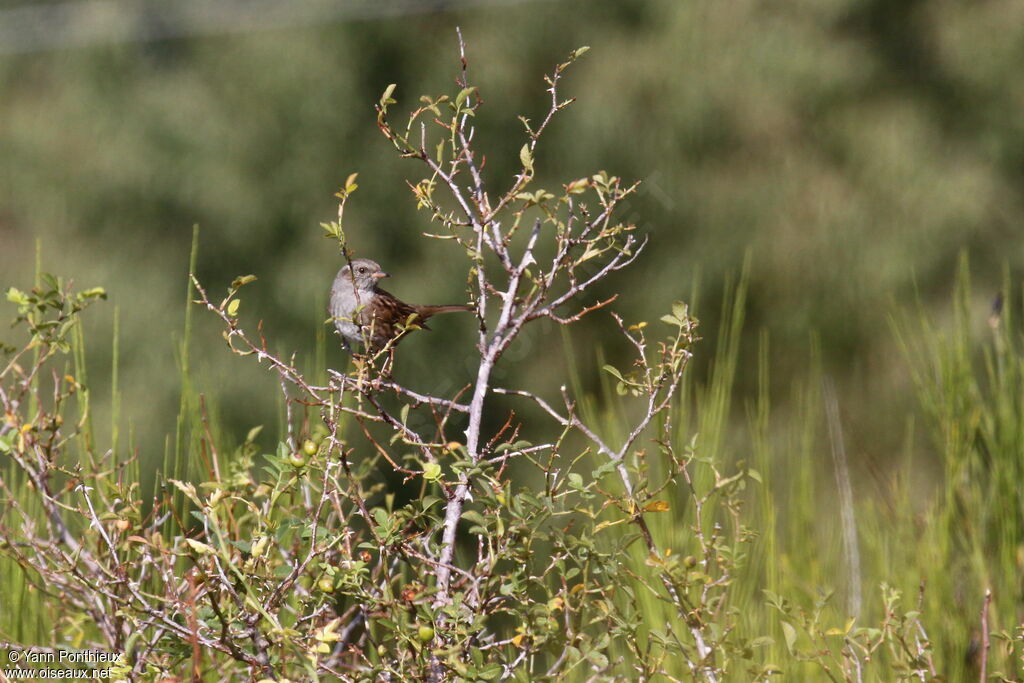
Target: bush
x,y
395,534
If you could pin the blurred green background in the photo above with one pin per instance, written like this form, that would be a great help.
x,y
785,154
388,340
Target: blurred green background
x,y
853,147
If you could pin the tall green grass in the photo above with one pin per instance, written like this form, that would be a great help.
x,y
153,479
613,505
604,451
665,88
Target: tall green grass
x,y
956,535
940,540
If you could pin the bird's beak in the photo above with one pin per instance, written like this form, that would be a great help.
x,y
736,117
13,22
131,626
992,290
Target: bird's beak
x,y
380,275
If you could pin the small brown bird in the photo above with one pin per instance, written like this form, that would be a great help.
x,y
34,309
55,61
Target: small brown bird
x,y
362,311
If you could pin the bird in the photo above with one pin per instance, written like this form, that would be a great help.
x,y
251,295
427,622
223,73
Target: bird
x,y
365,314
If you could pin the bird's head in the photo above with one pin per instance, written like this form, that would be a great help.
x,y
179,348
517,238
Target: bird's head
x,y
364,273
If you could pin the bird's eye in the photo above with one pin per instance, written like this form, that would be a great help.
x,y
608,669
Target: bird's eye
x,y
362,269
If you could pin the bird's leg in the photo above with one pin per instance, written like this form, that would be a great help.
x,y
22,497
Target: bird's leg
x,y
387,365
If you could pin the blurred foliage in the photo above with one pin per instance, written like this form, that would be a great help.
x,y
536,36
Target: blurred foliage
x,y
855,146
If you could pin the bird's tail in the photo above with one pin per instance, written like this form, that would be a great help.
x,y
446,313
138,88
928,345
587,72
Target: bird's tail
x,y
434,310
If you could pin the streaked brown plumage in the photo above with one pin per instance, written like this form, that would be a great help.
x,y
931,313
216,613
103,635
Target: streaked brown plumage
x,y
362,311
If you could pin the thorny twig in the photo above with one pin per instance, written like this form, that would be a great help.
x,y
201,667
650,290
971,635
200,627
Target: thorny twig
x,y
523,291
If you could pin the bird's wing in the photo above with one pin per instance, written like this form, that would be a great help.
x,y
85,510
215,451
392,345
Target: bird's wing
x,y
387,315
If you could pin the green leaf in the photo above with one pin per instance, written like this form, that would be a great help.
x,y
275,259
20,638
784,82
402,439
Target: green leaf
x,y
613,371
490,672
199,547
350,183
16,296
790,633
242,280
526,159
385,99
187,489
386,623
93,293
233,307
432,471
475,518
577,186
461,97
580,51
